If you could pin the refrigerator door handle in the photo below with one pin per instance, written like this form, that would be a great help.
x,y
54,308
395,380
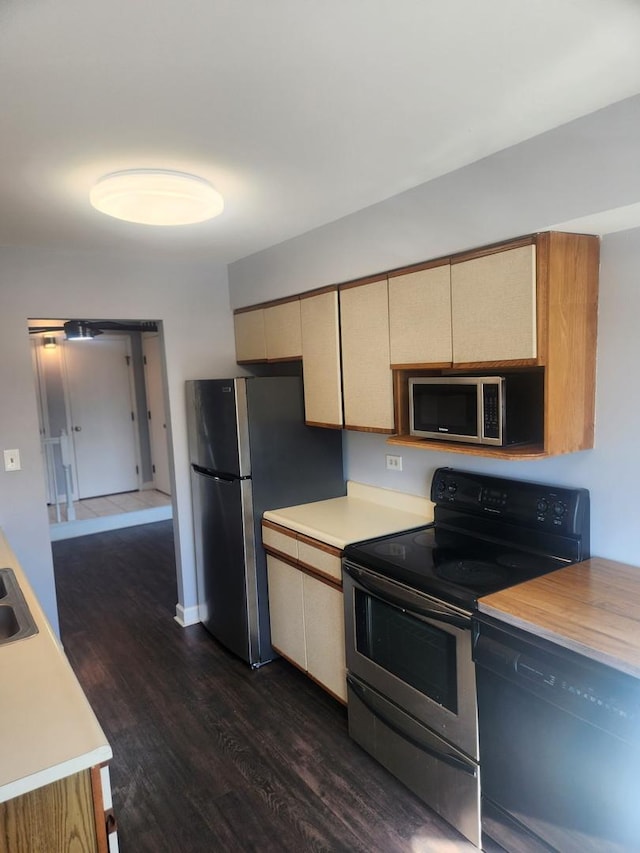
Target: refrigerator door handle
x,y
204,472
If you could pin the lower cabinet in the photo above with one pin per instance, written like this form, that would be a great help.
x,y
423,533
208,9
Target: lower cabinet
x,y
307,624
73,813
306,606
324,635
286,611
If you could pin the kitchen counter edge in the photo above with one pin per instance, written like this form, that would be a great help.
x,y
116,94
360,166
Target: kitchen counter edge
x,y
48,729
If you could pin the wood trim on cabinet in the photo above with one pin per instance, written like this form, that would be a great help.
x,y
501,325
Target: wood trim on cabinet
x,y
279,528
480,366
378,430
323,425
328,690
308,674
270,304
99,812
441,365
493,249
250,361
513,452
359,282
543,248
309,294
321,546
304,568
572,329
56,816
423,265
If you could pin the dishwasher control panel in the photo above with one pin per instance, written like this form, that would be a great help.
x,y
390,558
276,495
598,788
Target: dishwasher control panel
x,y
595,693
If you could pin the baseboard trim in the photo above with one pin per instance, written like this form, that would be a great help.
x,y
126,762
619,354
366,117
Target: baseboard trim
x,y
187,615
86,526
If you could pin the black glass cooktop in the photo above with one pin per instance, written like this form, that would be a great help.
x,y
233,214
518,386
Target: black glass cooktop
x,y
451,565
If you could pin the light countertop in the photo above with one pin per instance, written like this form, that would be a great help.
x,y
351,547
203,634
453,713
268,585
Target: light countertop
x,y
592,608
47,727
364,513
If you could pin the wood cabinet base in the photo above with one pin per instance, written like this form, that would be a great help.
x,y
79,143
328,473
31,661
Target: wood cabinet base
x,y
57,817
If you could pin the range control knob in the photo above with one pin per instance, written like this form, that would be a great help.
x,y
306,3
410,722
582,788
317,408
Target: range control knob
x,y
452,488
542,506
559,509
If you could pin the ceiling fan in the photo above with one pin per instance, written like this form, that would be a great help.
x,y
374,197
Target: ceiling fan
x,y
85,329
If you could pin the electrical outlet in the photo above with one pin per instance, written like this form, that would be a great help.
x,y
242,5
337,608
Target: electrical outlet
x,y
12,460
394,463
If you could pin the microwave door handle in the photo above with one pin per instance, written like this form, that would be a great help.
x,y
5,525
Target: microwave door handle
x,y
408,603
445,757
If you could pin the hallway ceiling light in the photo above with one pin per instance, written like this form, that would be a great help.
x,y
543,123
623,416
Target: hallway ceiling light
x,y
49,342
156,197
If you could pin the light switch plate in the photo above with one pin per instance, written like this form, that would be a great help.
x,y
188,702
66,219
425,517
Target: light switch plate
x,y
12,460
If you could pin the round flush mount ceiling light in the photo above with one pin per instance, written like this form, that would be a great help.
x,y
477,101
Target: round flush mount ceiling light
x,y
156,197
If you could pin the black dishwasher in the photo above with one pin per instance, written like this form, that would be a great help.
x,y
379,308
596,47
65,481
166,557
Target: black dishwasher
x,y
559,746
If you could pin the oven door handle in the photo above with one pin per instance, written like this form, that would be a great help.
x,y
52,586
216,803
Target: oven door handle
x,y
445,757
393,597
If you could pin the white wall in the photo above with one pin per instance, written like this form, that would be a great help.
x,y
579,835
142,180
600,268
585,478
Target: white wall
x,y
191,300
586,166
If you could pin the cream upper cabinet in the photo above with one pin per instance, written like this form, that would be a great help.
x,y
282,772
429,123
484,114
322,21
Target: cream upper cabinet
x,y
270,333
282,330
493,306
251,344
321,359
420,317
366,374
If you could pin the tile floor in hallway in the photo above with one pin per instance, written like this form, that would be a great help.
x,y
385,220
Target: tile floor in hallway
x,y
112,505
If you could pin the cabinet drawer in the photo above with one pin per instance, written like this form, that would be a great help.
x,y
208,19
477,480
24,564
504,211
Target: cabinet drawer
x,y
279,540
325,560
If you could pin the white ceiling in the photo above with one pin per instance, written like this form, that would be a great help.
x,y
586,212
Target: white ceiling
x,y
299,111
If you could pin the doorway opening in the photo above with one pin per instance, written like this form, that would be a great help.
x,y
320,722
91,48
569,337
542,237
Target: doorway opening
x,y
103,423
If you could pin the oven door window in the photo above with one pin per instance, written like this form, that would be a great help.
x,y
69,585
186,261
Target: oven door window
x,y
413,650
452,408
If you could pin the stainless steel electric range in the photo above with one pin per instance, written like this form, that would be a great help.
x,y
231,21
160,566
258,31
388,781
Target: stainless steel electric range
x,y
409,598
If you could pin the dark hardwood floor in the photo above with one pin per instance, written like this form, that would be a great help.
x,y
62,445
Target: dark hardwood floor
x,y
210,755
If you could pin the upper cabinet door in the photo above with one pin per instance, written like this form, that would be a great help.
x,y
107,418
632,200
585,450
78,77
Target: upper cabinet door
x,y
493,306
321,359
366,373
420,317
250,338
282,330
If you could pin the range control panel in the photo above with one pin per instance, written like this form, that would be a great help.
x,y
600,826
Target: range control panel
x,y
552,508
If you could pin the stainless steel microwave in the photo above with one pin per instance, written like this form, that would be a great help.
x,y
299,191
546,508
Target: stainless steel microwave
x,y
496,410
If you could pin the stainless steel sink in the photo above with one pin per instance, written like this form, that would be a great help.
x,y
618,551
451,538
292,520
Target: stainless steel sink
x,y
16,621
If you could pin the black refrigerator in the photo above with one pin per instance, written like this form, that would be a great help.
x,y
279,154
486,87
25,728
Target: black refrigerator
x,y
249,451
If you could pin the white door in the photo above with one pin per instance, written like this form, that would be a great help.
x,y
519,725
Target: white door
x,y
157,412
101,415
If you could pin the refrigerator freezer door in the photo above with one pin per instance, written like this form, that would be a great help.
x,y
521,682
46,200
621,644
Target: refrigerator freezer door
x,y
225,559
217,422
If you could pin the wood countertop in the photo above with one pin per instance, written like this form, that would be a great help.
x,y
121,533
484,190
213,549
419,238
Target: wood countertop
x,y
364,513
47,728
592,608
